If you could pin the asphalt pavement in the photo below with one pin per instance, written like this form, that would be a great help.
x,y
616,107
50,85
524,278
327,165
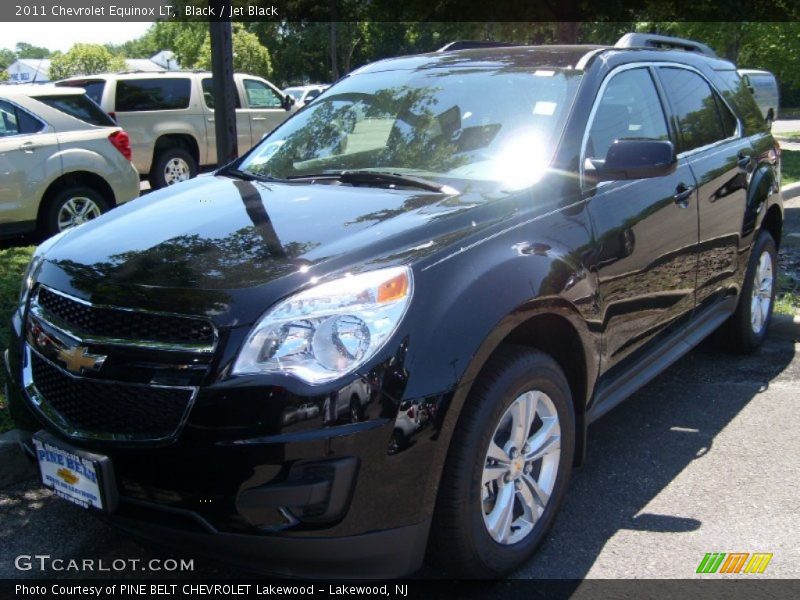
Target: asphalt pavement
x,y
706,458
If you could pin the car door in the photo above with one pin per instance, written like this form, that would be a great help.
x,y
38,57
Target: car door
x,y
244,137
645,230
26,148
718,155
264,105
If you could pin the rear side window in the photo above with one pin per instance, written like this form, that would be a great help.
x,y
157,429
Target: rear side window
x,y
695,106
79,107
739,96
208,93
629,108
14,121
260,95
94,88
153,94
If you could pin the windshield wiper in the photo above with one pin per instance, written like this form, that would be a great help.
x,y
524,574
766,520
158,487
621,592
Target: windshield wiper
x,y
380,177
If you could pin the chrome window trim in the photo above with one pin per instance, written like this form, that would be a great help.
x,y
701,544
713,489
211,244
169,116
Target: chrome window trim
x,y
49,413
648,65
41,313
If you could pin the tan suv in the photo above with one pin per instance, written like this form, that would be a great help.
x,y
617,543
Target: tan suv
x,y
170,117
63,161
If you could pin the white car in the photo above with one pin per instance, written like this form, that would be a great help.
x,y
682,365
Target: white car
x,y
170,117
303,94
765,90
63,161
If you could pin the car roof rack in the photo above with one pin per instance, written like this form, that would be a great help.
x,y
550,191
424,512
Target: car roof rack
x,y
651,40
469,44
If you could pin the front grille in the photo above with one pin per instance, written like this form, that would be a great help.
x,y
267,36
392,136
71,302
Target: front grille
x,y
99,409
117,324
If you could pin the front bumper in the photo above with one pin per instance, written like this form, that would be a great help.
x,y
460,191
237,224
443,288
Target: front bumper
x,y
329,501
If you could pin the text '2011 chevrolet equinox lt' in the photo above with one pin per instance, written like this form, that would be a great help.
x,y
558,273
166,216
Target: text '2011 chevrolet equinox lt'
x,y
383,332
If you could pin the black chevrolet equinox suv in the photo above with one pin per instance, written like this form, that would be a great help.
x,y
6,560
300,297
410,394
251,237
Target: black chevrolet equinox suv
x,y
383,332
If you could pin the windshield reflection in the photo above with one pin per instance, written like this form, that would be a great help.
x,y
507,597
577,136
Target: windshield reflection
x,y
489,124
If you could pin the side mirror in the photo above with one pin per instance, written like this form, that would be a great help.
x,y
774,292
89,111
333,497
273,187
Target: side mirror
x,y
288,102
638,159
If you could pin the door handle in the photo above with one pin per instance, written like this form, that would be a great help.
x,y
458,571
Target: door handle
x,y
743,159
210,119
682,194
259,118
28,147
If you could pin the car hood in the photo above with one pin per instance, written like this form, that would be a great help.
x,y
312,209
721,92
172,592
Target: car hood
x,y
205,242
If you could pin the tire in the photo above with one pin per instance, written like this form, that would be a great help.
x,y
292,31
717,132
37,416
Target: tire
x,y
746,330
172,165
71,207
461,541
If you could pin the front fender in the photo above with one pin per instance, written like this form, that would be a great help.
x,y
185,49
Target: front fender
x,y
477,295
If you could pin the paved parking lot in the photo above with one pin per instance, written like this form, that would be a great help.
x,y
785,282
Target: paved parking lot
x,y
704,459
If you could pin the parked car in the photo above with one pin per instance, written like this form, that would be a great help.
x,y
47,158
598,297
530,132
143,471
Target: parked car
x,y
508,240
764,87
303,94
170,117
63,161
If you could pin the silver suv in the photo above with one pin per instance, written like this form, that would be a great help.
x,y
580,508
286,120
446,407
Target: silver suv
x,y
63,160
170,117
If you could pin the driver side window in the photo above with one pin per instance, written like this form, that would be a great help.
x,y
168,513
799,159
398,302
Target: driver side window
x,y
629,109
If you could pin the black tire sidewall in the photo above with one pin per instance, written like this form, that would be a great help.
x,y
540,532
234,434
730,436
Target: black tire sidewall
x,y
50,224
156,177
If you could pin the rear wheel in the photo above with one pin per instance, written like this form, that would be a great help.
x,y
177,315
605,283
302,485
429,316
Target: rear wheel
x,y
747,328
508,466
172,165
72,207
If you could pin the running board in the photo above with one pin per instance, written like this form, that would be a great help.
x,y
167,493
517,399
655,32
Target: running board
x,y
657,360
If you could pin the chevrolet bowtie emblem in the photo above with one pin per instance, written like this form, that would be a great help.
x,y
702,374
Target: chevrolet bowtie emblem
x,y
77,359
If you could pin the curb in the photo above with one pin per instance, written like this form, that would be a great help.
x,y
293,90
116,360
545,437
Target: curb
x,y
16,465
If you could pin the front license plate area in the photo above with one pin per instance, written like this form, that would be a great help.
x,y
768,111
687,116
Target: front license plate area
x,y
84,478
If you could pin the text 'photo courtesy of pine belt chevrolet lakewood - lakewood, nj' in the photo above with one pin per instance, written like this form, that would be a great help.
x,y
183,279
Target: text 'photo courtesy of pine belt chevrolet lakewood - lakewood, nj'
x,y
381,334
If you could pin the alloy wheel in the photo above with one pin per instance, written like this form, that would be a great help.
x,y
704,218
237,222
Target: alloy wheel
x,y
761,299
176,170
520,468
77,211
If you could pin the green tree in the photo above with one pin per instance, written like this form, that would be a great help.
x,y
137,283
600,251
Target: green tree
x,y
85,59
25,50
6,58
4,75
249,56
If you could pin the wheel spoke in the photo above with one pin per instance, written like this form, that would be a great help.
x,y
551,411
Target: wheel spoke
x,y
540,496
533,508
497,454
499,520
544,441
493,473
523,411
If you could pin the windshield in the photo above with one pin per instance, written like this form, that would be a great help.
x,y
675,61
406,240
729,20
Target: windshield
x,y
294,93
490,125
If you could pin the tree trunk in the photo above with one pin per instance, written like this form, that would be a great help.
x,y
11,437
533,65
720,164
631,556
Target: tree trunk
x,y
567,32
334,58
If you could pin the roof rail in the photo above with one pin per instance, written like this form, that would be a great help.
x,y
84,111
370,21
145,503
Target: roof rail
x,y
651,40
469,44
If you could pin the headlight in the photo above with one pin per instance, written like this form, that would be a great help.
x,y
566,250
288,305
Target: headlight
x,y
29,278
329,330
